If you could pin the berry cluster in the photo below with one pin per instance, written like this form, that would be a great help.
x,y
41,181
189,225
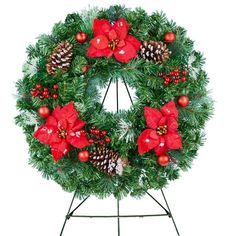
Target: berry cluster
x,y
44,93
174,76
98,136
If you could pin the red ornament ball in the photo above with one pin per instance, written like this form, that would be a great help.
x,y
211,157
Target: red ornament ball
x,y
170,37
81,37
55,96
163,160
83,156
43,112
183,101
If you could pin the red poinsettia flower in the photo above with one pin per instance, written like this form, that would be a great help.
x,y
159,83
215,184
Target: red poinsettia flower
x,y
62,129
113,40
161,134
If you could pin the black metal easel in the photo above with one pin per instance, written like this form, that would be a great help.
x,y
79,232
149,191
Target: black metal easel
x,y
118,216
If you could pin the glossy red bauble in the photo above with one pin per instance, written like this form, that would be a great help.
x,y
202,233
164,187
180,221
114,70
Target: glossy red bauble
x,y
183,101
170,37
83,156
81,37
43,112
163,160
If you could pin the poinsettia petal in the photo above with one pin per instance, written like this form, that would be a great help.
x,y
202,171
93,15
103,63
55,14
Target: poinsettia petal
x,y
121,27
77,139
135,42
154,135
57,112
112,34
161,148
94,52
79,124
169,109
100,42
69,113
162,121
51,121
125,54
121,43
145,142
172,124
101,27
47,134
173,140
152,116
59,150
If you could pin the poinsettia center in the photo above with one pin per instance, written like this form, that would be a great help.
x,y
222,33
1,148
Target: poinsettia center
x,y
162,130
113,44
62,133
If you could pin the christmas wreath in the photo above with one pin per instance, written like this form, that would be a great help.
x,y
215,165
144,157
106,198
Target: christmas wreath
x,y
78,143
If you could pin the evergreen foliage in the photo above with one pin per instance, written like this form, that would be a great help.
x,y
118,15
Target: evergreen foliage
x,y
124,127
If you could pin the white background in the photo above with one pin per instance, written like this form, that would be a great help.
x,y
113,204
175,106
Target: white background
x,y
202,201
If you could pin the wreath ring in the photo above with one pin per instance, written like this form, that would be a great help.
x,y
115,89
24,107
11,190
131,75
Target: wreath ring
x,y
75,141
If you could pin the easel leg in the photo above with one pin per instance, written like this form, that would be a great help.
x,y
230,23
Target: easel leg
x,y
118,214
67,215
177,231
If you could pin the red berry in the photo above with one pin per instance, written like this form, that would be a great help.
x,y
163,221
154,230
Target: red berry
x,y
91,141
83,156
107,140
168,79
46,96
55,86
183,79
163,160
176,70
96,132
176,81
55,96
38,86
184,72
166,83
43,112
45,89
101,142
33,92
45,93
172,73
103,133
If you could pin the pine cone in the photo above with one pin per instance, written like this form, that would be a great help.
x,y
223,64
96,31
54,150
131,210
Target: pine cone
x,y
155,51
107,161
60,58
